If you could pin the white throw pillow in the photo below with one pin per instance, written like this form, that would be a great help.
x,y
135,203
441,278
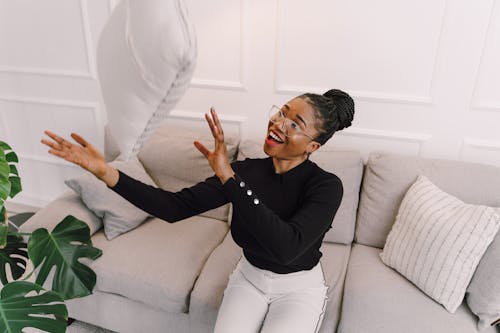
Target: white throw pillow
x,y
146,56
438,240
118,215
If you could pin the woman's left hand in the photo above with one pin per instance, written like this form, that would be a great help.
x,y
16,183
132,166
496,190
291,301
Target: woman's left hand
x,y
218,158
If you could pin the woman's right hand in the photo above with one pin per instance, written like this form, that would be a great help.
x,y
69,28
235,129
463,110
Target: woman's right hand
x,y
86,155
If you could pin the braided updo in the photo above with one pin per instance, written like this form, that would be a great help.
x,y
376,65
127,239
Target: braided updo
x,y
334,109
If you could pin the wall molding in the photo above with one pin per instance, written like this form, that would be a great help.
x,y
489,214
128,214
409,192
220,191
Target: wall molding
x,y
232,85
47,159
412,137
493,147
190,115
51,101
479,144
217,84
93,107
87,36
87,40
239,121
475,103
369,96
362,95
384,134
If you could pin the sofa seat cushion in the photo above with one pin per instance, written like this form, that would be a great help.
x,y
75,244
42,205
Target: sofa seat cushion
x,y
208,291
334,262
379,299
158,262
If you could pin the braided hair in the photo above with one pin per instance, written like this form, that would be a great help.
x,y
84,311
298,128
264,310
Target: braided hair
x,y
334,109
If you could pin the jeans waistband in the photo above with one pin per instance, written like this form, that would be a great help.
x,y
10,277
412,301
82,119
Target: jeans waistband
x,y
269,281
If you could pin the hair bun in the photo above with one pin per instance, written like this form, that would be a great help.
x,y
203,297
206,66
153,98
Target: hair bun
x,y
343,105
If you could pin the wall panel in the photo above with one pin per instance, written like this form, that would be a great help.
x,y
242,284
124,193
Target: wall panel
x,y
425,75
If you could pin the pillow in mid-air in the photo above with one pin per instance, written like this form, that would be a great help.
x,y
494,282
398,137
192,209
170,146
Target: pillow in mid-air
x,y
146,57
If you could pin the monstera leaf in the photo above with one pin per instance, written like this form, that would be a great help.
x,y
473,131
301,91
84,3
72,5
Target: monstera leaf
x,y
10,185
71,278
18,310
15,246
4,228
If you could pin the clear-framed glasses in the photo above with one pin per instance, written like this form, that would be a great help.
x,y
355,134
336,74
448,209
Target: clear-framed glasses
x,y
287,125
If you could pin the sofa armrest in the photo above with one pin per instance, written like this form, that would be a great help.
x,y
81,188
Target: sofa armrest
x,y
68,203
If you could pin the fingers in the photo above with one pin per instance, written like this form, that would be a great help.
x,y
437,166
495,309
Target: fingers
x,y
217,122
79,139
210,122
51,144
58,153
202,148
58,139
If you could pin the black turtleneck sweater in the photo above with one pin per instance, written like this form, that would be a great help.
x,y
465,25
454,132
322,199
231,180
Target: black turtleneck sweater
x,y
279,220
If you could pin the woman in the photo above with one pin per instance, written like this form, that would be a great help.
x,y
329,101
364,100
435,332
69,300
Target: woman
x,y
282,207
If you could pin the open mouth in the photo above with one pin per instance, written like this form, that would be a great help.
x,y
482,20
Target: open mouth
x,y
274,137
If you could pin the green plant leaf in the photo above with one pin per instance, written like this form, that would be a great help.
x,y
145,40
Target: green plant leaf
x,y
11,157
4,146
15,255
9,185
3,215
15,185
18,310
13,169
4,227
71,278
4,177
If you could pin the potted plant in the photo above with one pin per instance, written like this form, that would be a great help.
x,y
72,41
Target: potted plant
x,y
28,304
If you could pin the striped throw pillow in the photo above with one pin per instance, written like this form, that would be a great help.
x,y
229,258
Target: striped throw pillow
x,y
438,240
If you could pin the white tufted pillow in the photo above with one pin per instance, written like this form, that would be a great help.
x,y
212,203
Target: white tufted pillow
x,y
146,57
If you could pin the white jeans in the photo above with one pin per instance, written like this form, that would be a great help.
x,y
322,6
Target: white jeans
x,y
258,300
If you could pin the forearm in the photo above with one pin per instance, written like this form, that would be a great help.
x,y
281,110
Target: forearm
x,y
170,206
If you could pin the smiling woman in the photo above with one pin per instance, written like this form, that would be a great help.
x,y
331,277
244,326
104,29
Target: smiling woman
x,y
282,207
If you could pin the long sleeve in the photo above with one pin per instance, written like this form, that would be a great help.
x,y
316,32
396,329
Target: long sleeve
x,y
285,240
171,206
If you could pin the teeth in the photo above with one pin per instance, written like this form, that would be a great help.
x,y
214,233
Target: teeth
x,y
275,137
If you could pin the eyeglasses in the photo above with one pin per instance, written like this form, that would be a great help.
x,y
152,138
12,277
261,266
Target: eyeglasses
x,y
288,126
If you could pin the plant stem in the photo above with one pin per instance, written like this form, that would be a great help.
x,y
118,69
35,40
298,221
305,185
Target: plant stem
x,y
19,233
33,271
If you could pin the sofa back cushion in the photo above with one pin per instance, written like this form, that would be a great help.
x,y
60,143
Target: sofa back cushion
x,y
348,166
389,175
173,162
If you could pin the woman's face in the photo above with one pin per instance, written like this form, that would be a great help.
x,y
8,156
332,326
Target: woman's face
x,y
296,145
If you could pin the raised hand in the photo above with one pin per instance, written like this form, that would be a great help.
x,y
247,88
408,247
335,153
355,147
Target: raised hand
x,y
84,155
218,158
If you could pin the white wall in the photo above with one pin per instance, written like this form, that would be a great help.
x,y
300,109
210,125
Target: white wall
x,y
425,75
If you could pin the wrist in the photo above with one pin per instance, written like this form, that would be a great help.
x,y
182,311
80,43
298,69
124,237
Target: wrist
x,y
103,172
225,177
109,176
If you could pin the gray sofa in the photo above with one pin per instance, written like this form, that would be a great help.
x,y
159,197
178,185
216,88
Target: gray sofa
x,y
163,277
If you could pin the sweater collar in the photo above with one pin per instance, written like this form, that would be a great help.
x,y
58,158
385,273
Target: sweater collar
x,y
290,174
